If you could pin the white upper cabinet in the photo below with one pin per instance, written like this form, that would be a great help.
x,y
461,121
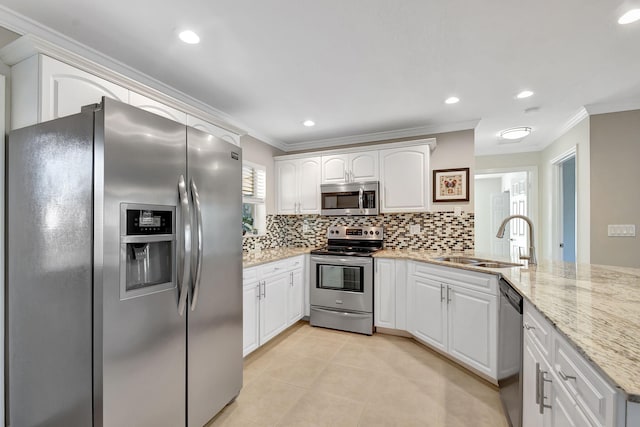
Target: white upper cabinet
x,y
404,177
298,186
212,129
352,167
156,107
45,89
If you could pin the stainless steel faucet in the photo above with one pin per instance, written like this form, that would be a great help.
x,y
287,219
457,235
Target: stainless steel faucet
x,y
532,249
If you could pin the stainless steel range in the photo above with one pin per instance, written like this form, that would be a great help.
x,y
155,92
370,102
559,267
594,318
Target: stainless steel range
x,y
341,293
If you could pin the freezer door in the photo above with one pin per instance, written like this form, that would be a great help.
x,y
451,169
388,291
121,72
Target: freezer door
x,y
49,272
215,309
140,347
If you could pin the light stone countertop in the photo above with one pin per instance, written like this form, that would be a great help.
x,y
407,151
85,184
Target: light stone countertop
x,y
596,307
251,259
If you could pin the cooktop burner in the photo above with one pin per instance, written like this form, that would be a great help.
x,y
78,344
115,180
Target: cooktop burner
x,y
352,241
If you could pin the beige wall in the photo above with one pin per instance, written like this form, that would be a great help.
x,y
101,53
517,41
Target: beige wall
x,y
256,151
577,137
507,161
615,176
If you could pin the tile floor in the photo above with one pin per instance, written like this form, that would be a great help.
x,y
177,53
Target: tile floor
x,y
319,377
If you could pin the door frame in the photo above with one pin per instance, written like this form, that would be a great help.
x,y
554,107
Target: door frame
x,y
532,191
557,202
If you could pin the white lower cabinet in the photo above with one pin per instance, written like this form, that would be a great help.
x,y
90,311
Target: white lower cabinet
x,y
572,392
454,319
384,293
273,299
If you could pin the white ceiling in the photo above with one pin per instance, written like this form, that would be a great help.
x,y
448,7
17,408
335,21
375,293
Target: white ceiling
x,y
372,66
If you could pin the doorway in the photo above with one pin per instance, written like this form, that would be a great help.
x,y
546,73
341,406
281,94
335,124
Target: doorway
x,y
566,207
498,194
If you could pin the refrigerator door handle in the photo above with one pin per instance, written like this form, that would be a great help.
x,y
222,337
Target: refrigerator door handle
x,y
197,272
186,256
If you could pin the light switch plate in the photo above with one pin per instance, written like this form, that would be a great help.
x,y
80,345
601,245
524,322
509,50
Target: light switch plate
x,y
414,229
305,228
621,230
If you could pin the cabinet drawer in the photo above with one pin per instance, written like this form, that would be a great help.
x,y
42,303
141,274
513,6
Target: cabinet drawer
x,y
249,275
591,392
272,268
539,328
295,262
456,276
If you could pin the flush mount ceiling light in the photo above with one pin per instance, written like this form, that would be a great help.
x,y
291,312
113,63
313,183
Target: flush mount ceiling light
x,y
309,123
631,16
524,94
189,37
515,133
452,100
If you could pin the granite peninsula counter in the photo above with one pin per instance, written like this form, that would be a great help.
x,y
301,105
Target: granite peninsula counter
x,y
596,307
251,259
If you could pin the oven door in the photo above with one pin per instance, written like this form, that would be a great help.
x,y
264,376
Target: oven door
x,y
342,282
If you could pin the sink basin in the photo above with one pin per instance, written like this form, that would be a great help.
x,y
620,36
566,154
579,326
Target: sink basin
x,y
477,262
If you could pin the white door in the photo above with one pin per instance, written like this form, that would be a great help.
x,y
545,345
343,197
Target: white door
x,y
286,171
364,166
309,189
273,307
296,296
384,293
250,318
65,89
334,168
532,362
404,179
473,328
427,311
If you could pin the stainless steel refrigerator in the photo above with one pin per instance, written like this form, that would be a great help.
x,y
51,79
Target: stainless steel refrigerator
x,y
124,272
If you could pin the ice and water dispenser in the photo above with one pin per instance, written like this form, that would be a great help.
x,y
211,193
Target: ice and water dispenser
x,y
147,249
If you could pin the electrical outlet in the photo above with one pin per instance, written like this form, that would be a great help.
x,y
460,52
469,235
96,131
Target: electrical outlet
x,y
621,230
414,229
457,211
305,228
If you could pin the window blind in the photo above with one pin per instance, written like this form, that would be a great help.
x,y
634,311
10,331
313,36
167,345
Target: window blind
x,y
254,183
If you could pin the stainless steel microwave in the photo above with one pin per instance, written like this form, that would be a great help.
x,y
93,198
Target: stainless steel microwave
x,y
352,198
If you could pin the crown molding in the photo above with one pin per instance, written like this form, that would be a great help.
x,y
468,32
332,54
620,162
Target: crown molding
x,y
39,39
577,117
431,142
613,107
382,136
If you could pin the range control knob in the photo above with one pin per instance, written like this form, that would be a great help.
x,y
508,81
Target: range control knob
x,y
377,232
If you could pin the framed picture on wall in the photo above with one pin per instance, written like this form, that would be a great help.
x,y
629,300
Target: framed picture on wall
x,y
451,185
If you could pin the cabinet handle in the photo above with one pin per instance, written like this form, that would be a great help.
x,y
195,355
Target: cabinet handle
x,y
259,286
528,327
448,294
537,383
264,286
543,380
441,292
291,279
565,377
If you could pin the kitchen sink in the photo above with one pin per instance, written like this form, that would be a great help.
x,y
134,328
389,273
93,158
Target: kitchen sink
x,y
477,262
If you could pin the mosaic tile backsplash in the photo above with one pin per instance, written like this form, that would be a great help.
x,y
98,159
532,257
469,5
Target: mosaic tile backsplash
x,y
441,231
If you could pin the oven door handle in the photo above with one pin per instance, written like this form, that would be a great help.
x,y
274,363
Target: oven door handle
x,y
343,313
346,261
360,194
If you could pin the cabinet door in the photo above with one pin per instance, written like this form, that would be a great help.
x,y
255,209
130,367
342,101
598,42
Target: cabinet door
x,y
65,89
287,186
384,293
532,364
250,318
273,307
212,129
334,168
427,311
563,409
295,306
156,107
309,190
364,166
404,178
473,328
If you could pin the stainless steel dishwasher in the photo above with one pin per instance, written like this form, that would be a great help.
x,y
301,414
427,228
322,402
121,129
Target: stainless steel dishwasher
x,y
510,353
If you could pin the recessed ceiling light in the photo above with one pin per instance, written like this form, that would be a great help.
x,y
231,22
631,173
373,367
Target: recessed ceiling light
x,y
631,16
515,133
524,94
452,100
309,123
189,37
